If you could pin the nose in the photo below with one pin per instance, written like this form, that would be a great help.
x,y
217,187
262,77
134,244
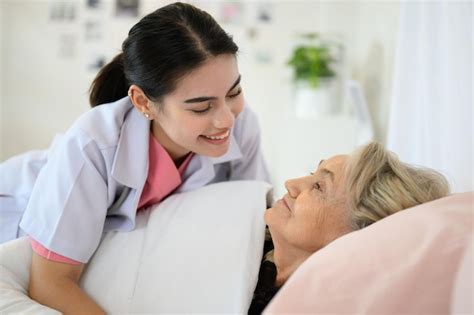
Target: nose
x,y
292,187
224,118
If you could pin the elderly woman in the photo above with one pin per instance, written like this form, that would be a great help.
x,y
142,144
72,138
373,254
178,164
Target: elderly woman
x,y
346,193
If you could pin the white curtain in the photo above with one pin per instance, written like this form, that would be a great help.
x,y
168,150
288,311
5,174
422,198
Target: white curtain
x,y
431,114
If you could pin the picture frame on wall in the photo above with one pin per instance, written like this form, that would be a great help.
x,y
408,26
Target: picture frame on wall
x,y
126,8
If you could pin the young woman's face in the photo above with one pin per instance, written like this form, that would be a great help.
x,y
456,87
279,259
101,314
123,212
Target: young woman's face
x,y
199,115
313,212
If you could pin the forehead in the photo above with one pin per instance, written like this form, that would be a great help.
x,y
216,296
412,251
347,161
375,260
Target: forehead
x,y
334,161
216,74
334,164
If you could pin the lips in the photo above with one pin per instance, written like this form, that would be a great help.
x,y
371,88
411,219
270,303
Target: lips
x,y
217,139
285,203
218,136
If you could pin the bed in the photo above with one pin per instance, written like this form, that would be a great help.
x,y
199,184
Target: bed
x,y
200,251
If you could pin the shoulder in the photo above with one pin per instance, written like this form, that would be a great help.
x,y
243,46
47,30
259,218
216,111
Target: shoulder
x,y
102,124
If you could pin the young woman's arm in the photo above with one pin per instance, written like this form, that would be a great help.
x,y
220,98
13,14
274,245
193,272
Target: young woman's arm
x,y
56,285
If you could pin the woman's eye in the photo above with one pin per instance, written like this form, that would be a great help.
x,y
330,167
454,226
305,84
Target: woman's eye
x,y
317,186
235,94
202,111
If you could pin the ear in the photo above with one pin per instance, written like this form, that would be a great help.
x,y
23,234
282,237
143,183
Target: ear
x,y
140,101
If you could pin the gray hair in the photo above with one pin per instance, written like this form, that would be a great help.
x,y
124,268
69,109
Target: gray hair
x,y
379,184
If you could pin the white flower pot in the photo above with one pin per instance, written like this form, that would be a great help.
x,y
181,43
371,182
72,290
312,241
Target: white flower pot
x,y
314,102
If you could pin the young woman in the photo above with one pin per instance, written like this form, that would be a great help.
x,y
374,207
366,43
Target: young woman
x,y
168,116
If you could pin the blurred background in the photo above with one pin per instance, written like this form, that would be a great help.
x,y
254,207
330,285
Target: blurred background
x,y
399,72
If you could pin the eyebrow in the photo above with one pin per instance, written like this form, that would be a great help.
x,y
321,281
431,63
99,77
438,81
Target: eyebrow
x,y
325,171
328,173
208,98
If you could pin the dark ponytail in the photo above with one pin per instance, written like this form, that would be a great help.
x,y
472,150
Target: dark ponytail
x,y
159,50
110,83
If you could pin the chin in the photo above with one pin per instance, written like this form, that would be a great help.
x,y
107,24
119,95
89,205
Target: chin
x,y
269,217
216,152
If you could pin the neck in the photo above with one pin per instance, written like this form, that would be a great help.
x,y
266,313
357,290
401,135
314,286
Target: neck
x,y
287,259
177,153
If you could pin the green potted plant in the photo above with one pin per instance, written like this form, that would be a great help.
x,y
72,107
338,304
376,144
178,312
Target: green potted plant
x,y
311,61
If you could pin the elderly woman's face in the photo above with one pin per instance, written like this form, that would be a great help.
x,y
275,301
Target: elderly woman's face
x,y
313,212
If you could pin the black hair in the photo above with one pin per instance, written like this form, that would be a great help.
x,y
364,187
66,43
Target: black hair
x,y
160,49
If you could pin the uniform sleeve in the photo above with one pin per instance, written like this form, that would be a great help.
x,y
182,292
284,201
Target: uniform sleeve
x,y
68,204
49,255
252,165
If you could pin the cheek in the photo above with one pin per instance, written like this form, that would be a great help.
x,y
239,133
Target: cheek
x,y
174,128
307,228
306,235
195,127
308,209
192,127
238,107
337,223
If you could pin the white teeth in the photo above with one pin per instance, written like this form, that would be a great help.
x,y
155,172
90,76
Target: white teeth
x,y
218,138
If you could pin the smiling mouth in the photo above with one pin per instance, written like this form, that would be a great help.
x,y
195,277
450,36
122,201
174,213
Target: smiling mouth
x,y
222,136
283,201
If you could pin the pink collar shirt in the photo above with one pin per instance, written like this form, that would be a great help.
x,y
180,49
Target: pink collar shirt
x,y
163,176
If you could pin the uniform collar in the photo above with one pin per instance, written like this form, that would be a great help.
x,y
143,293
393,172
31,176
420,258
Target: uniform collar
x,y
130,165
201,170
234,152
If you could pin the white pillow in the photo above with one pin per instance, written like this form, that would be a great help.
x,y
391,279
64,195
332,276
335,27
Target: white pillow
x,y
197,251
15,260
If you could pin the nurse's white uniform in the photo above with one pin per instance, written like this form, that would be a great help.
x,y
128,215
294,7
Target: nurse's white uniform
x,y
91,179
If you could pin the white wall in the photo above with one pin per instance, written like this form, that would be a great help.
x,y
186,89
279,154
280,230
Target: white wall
x,y
42,93
2,114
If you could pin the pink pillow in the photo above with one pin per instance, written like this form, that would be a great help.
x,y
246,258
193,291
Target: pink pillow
x,y
406,263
